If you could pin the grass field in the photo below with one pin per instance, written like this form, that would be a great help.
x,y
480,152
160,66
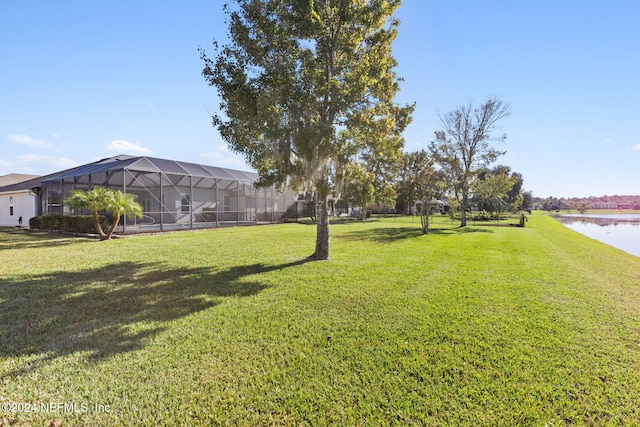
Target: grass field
x,y
486,325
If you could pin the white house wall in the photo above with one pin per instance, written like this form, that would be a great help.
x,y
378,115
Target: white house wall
x,y
24,206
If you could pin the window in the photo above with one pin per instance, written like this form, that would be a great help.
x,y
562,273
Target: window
x,y
227,203
185,203
10,205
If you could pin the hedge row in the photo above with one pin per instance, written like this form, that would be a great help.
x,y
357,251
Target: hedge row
x,y
70,223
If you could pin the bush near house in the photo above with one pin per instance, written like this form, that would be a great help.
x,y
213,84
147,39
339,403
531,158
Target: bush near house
x,y
70,223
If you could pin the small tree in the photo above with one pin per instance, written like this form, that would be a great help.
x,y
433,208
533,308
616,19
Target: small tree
x,y
582,206
359,187
100,199
463,147
119,204
94,201
420,180
493,190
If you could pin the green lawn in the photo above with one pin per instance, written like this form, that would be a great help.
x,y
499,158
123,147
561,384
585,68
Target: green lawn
x,y
462,327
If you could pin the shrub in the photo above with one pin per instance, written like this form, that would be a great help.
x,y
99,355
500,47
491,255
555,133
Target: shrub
x,y
35,223
70,223
51,222
524,218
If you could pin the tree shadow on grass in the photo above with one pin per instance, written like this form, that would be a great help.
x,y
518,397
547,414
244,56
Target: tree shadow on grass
x,y
110,309
458,230
382,235
393,234
21,239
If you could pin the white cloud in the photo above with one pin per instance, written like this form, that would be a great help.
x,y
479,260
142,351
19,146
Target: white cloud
x,y
56,136
125,147
221,149
636,148
608,141
4,164
222,157
27,140
57,162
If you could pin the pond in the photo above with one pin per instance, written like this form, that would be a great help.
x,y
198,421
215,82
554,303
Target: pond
x,y
619,230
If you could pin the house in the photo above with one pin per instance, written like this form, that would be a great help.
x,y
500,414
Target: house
x,y
436,205
173,194
17,201
564,204
601,204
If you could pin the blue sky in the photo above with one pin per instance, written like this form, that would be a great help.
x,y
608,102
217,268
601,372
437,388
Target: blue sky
x,y
83,80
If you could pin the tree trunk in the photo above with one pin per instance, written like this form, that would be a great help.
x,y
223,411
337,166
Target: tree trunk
x,y
96,224
424,220
322,235
116,220
465,199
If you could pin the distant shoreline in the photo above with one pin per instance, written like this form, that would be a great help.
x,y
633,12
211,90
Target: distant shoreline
x,y
597,211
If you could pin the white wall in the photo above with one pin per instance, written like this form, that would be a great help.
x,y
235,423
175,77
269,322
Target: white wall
x,y
24,205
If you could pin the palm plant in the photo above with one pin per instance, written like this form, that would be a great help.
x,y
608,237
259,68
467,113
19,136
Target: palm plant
x,y
102,199
120,204
93,200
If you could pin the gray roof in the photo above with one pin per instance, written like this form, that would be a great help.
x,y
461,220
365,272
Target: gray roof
x,y
152,164
15,178
22,186
141,164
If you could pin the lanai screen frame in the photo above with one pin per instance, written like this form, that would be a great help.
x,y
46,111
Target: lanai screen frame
x,y
174,195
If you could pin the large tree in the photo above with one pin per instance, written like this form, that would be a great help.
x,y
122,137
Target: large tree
x,y
464,147
294,77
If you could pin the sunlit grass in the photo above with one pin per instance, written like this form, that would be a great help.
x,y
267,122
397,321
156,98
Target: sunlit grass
x,y
478,326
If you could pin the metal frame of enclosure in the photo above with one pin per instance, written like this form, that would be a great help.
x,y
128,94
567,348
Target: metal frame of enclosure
x,y
174,195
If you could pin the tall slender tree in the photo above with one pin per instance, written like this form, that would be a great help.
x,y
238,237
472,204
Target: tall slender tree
x,y
464,145
294,75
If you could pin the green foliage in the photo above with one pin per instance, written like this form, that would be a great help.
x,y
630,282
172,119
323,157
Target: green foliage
x,y
499,188
359,187
493,189
120,204
82,223
582,206
70,223
46,222
419,179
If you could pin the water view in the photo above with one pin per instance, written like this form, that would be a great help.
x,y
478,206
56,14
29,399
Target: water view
x,y
619,230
